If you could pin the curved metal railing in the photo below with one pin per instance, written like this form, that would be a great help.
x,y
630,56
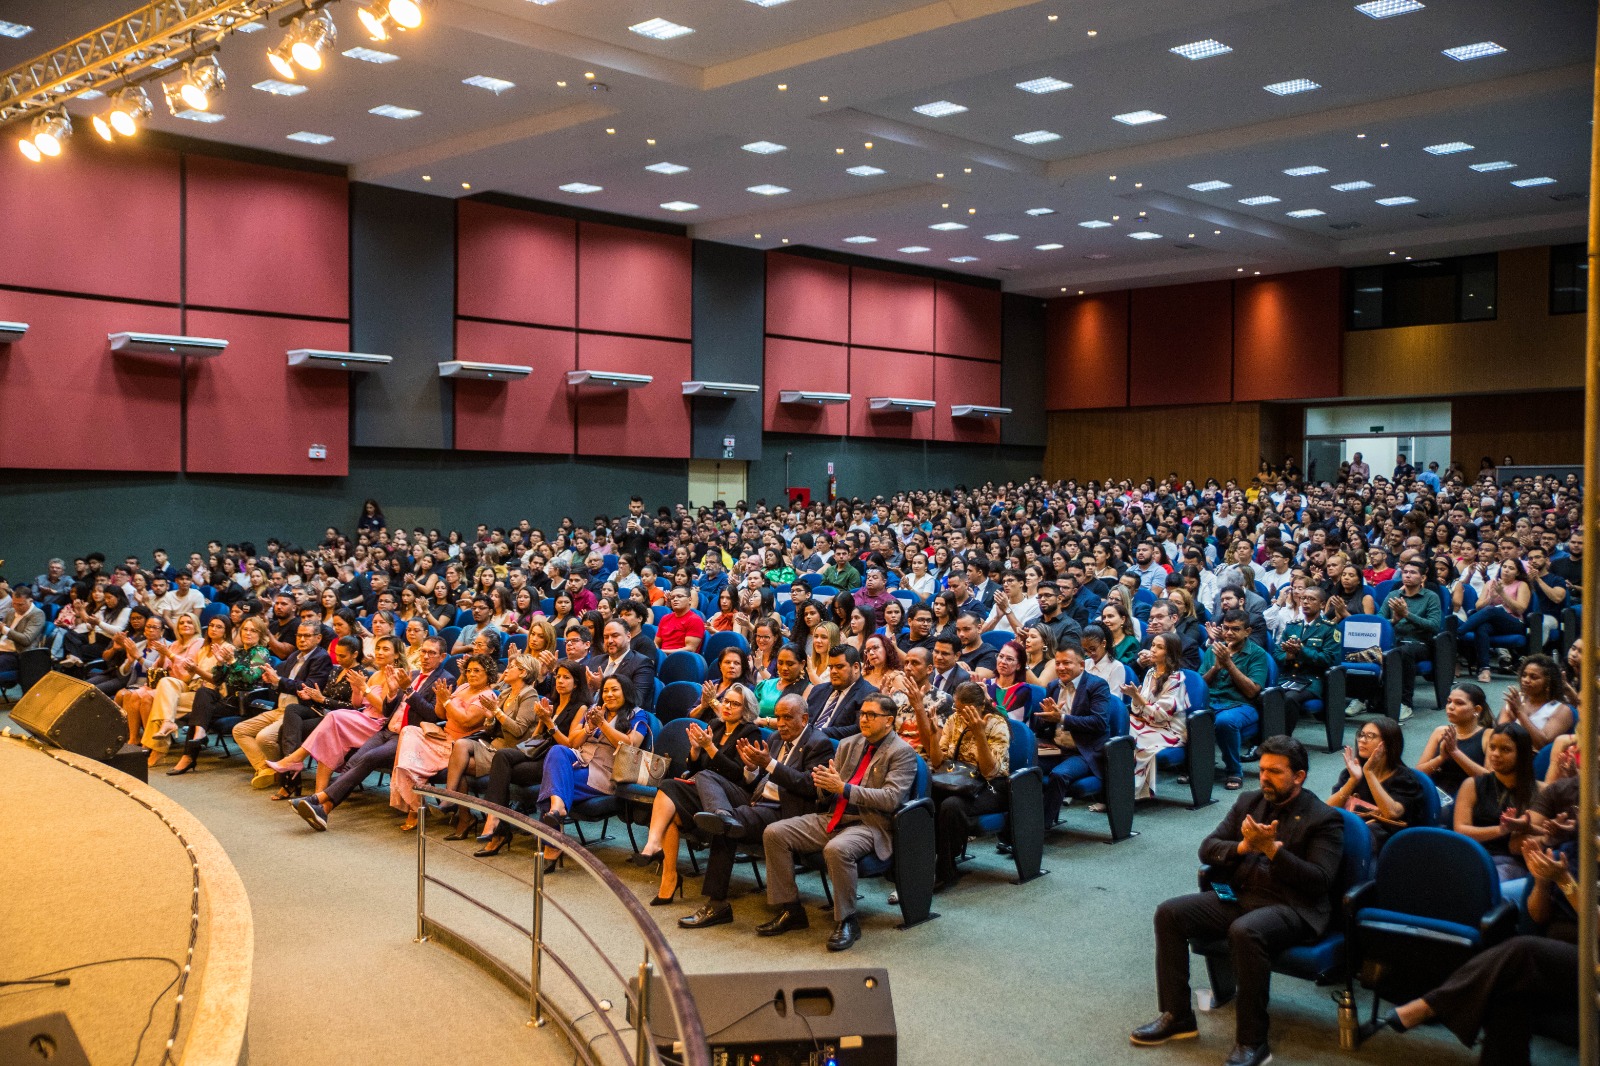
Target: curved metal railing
x,y
690,1048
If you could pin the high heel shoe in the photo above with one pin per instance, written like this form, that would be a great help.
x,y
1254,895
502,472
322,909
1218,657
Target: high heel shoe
x,y
677,890
552,865
292,785
494,847
180,768
464,828
639,858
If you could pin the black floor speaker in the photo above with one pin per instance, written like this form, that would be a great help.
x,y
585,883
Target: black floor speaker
x,y
73,715
798,1018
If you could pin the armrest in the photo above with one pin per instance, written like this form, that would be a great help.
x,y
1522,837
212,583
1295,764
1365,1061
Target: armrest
x,y
1393,676
1274,715
1204,876
914,858
1499,924
1357,898
1201,748
1117,786
1335,695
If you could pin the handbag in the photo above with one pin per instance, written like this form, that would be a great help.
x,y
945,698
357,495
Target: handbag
x,y
635,766
962,779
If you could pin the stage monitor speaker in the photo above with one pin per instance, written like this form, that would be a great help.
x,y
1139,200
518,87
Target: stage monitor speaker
x,y
74,715
798,1018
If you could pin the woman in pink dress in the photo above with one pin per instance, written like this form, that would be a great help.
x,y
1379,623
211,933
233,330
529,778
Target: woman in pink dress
x,y
372,700
424,749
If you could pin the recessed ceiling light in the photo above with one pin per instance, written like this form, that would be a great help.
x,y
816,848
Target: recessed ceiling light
x,y
14,29
1036,137
279,88
1094,223
1396,201
1448,148
939,109
1210,186
89,94
767,190
199,116
666,168
1351,186
1462,53
1292,86
484,81
1201,49
1040,211
580,187
1303,172
1145,235
1499,164
1257,201
1528,183
660,29
311,138
1139,118
764,147
861,239
1043,85
249,27
391,111
1098,255
369,55
1048,247
948,225
865,171
998,237
1306,212
1382,9
767,3
913,249
679,205
963,259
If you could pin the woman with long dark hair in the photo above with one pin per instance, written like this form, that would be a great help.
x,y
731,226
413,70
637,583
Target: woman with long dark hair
x,y
1492,808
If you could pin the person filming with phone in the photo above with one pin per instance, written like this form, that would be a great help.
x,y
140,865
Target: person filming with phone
x,y
1273,862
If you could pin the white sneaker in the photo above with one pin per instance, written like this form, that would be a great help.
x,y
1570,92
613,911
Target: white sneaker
x,y
1355,707
894,898
1405,712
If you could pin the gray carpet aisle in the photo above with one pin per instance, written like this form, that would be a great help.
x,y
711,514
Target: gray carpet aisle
x,y
1054,971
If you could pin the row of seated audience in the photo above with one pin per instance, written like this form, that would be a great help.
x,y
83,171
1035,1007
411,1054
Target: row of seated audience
x,y
871,637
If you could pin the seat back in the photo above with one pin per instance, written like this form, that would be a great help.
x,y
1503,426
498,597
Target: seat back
x,y
648,629
463,618
1355,864
1380,595
823,592
812,579
658,612
1024,747
922,786
997,638
1435,873
677,699
682,666
1430,796
717,642
906,596
652,735
1119,717
449,634
1469,599
1359,631
1194,686
548,605
518,641
1144,598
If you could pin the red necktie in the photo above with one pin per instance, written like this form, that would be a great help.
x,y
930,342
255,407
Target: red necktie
x,y
855,779
405,704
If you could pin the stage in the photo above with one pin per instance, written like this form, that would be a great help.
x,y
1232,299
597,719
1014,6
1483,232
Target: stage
x,y
97,867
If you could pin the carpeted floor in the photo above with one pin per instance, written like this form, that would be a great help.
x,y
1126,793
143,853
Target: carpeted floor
x,y
1054,971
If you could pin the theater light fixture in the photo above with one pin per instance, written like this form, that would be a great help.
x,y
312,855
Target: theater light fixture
x,y
278,57
312,36
129,107
46,136
374,19
407,14
203,79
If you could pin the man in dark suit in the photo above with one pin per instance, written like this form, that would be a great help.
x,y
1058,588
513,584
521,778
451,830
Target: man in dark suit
x,y
378,752
776,784
310,667
983,590
833,707
619,660
947,669
1076,714
1163,619
1278,850
857,793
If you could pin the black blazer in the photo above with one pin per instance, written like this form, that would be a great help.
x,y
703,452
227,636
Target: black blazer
x,y
419,707
1301,877
844,720
726,761
638,670
1088,719
319,670
957,675
796,794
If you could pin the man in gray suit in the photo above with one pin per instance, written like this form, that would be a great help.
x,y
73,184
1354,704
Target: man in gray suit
x,y
21,626
858,792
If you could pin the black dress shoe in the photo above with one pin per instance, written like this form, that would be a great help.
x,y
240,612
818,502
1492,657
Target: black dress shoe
x,y
719,824
792,917
845,934
1166,1027
709,914
1245,1055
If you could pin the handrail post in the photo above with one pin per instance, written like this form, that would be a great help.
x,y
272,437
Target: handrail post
x,y
641,1054
536,940
422,870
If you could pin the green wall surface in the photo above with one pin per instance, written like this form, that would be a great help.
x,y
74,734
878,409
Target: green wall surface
x,y
868,468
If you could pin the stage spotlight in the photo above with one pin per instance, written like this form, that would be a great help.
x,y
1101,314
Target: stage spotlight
x,y
314,35
204,80
129,107
279,58
49,131
374,18
26,147
407,14
103,128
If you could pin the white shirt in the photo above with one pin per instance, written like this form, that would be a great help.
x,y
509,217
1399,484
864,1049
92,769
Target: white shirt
x,y
174,604
1110,671
1026,612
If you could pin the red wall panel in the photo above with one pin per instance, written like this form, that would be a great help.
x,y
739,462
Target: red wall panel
x,y
634,281
813,367
531,415
807,298
652,422
92,221
1287,336
516,265
70,404
891,310
966,321
1181,344
905,375
252,413
1086,352
964,381
265,238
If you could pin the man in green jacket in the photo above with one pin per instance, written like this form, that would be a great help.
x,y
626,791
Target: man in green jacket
x,y
1310,645
1414,612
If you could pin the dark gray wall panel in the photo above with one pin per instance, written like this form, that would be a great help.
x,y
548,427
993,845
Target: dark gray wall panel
x,y
730,306
1022,369
869,468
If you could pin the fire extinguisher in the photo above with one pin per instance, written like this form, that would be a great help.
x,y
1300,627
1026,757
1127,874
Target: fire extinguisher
x,y
833,488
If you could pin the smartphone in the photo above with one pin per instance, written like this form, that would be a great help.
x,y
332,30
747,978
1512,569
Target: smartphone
x,y
1225,893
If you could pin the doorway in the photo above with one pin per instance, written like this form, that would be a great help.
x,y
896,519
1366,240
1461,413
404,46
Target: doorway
x,y
711,480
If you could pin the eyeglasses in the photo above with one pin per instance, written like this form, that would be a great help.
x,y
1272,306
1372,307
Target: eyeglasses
x,y
873,714
1364,735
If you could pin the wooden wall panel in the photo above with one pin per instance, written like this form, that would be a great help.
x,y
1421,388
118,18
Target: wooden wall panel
x,y
517,266
1220,441
1086,352
1531,427
534,414
890,310
807,298
1287,336
966,321
1180,344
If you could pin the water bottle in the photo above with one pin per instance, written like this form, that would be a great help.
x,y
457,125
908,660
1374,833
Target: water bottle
x,y
1349,1025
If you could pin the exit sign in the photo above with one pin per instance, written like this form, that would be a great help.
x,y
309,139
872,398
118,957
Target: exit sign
x,y
1374,429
